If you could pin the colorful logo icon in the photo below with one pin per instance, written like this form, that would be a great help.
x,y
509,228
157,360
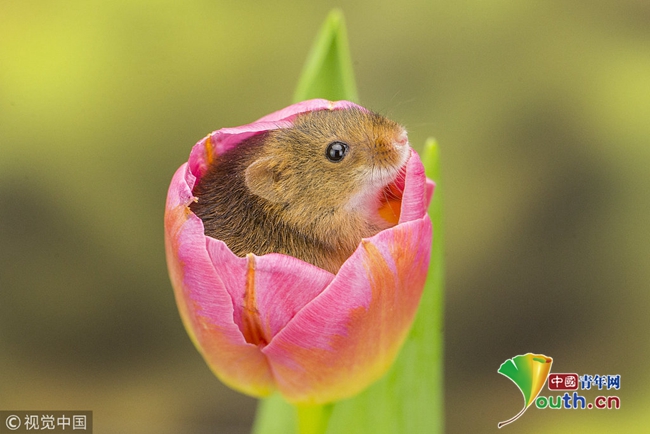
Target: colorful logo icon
x,y
529,373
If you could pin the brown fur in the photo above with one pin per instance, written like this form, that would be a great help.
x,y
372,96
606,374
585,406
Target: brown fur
x,y
277,192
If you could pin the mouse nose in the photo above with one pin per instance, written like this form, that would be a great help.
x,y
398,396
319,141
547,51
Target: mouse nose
x,y
401,140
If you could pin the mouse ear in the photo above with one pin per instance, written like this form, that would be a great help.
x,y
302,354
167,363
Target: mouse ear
x,y
262,179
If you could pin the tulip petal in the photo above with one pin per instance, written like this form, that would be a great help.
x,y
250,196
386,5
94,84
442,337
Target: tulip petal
x,y
350,334
204,303
430,187
416,198
289,113
279,285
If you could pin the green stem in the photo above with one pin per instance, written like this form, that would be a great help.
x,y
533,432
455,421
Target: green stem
x,y
313,419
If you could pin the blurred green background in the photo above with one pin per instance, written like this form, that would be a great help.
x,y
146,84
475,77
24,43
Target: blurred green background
x,y
542,111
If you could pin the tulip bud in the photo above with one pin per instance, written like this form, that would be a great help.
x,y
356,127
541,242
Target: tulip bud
x,y
274,322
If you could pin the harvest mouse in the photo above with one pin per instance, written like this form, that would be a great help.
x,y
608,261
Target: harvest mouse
x,y
311,190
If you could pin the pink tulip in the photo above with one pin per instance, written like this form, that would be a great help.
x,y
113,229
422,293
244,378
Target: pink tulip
x,y
274,322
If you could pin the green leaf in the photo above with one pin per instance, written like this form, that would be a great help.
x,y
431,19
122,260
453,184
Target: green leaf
x,y
328,71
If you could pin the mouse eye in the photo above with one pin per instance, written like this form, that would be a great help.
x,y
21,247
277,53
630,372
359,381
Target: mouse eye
x,y
336,151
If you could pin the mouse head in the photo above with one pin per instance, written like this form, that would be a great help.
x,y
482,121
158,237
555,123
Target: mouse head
x,y
329,160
